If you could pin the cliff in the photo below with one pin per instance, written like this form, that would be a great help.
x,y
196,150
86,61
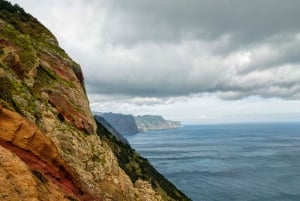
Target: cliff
x,y
123,123
129,124
111,129
50,145
154,122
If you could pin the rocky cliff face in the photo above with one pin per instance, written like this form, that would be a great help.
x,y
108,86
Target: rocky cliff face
x,y
50,147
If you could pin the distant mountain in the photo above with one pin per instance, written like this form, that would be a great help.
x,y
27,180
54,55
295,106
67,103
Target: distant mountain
x,y
129,124
154,122
111,129
122,123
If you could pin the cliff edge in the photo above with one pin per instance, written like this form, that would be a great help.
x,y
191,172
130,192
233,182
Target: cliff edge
x,y
50,145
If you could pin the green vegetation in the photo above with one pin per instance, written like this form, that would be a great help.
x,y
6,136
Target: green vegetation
x,y
25,56
16,96
46,78
138,167
27,33
6,6
6,90
26,41
24,22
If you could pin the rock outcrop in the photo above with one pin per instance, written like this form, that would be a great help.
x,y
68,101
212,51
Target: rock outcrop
x,y
19,182
50,145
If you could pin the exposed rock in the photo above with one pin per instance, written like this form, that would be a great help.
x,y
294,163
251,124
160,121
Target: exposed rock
x,y
50,146
146,193
146,179
67,112
24,134
18,182
37,150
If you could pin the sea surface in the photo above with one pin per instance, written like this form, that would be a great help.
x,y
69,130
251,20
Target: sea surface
x,y
243,162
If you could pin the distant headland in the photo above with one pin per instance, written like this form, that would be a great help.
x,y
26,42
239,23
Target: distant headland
x,y
130,124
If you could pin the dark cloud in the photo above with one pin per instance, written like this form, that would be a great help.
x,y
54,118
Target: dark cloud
x,y
175,20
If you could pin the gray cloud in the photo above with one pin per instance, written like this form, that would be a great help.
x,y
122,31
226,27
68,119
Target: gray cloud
x,y
192,67
170,48
174,20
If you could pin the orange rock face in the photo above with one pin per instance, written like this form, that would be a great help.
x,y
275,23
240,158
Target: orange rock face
x,y
68,112
38,152
24,134
18,182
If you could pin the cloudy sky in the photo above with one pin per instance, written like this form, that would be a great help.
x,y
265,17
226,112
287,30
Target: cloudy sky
x,y
198,61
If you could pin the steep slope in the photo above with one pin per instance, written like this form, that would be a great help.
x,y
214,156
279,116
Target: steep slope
x,y
47,131
139,168
111,129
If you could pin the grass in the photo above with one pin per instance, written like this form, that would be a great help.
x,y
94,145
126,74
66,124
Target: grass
x,y
7,89
15,95
25,52
24,22
26,41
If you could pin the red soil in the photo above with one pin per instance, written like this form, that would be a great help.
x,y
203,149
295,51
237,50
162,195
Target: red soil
x,y
58,176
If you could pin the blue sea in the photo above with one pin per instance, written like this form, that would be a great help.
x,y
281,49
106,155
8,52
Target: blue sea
x,y
242,162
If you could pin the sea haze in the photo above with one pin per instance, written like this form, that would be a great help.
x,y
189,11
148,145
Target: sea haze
x,y
247,162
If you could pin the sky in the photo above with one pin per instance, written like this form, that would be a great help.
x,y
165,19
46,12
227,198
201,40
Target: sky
x,y
197,61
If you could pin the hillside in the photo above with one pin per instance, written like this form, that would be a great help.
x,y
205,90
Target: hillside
x,y
50,145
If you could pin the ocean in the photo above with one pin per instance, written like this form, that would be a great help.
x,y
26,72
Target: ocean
x,y
230,162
